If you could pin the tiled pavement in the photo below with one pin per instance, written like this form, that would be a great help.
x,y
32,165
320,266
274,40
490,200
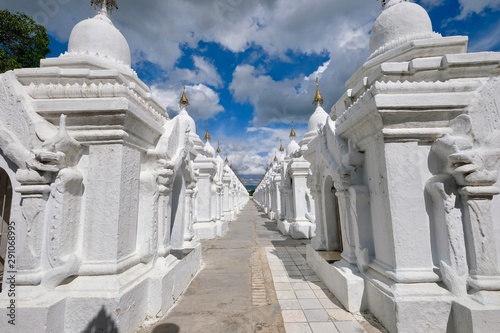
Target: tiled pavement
x,y
307,305
276,292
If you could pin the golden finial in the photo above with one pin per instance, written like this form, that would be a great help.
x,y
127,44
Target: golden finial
x,y
227,160
105,5
318,98
293,135
218,147
184,100
207,136
282,149
275,158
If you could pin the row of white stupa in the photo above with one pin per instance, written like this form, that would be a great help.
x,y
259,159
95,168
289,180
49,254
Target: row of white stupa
x,y
284,192
399,186
111,196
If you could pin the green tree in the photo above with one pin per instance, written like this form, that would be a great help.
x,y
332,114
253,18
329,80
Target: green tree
x,y
23,42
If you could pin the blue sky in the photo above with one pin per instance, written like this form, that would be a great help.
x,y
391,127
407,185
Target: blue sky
x,y
250,65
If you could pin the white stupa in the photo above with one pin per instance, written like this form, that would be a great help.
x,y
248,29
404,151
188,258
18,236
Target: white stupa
x,y
401,21
98,36
293,146
95,43
318,118
209,149
281,155
183,114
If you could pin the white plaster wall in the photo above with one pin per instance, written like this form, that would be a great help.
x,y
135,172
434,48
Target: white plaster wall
x,y
204,199
111,212
382,230
129,206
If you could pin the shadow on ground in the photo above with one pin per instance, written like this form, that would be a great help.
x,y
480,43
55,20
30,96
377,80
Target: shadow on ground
x,y
167,328
102,322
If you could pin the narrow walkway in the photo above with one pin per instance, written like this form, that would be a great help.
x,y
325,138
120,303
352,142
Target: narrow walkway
x,y
256,280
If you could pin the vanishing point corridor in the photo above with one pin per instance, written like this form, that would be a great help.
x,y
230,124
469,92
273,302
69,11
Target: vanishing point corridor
x,y
256,280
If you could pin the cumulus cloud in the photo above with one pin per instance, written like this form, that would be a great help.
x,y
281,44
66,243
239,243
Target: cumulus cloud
x,y
469,7
252,159
204,72
273,101
155,28
204,101
291,99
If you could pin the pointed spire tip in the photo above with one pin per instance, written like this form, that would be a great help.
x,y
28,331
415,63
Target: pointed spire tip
x,y
184,101
318,98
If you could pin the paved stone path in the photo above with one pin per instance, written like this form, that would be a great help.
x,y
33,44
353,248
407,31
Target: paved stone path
x,y
256,280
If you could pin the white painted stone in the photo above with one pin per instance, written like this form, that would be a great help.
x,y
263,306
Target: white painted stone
x,y
414,187
108,190
99,36
346,284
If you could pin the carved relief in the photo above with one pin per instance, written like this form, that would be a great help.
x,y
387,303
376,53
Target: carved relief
x,y
12,120
447,220
62,152
32,212
472,157
93,90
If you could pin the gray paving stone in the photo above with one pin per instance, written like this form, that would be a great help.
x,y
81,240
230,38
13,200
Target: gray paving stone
x,y
349,327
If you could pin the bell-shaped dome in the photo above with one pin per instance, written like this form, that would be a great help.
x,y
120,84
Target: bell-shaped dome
x,y
292,147
400,21
98,36
185,119
319,117
209,149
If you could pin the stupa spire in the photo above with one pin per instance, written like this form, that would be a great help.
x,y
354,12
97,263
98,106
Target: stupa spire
x,y
293,135
388,3
207,136
106,6
184,101
318,98
282,149
218,148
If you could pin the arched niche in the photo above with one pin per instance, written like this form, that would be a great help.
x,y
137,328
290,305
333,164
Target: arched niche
x,y
331,216
177,212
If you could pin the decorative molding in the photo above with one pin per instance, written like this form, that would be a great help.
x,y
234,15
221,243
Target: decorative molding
x,y
93,90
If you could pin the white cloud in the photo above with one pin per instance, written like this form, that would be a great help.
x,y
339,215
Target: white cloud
x,y
273,101
204,72
469,7
204,102
487,40
291,99
155,28
252,159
